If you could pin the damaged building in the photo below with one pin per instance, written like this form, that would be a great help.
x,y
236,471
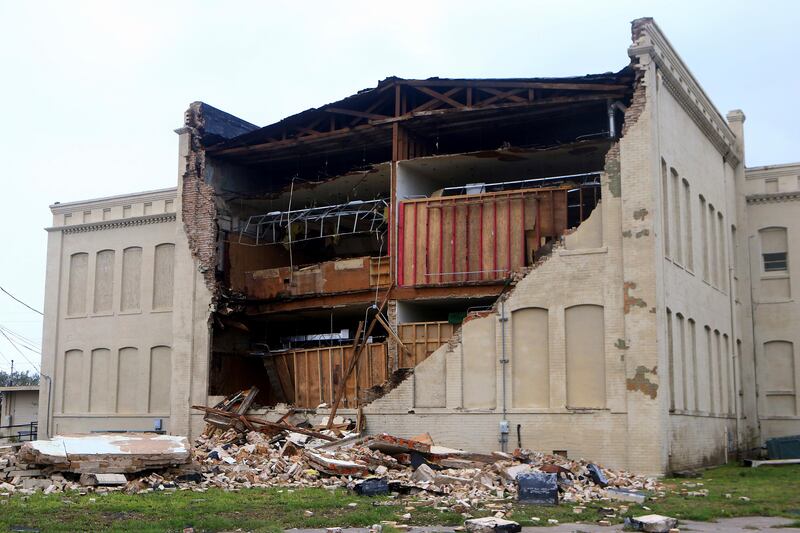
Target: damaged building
x,y
561,264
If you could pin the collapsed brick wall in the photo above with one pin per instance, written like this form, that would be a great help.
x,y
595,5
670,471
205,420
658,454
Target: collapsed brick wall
x,y
198,210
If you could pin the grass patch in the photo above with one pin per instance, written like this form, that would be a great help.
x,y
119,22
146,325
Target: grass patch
x,y
771,492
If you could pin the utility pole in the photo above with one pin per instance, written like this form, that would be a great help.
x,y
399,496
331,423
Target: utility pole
x,y
11,375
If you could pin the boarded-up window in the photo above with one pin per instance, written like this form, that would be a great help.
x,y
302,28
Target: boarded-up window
x,y
586,365
695,367
713,262
671,360
684,375
712,406
104,281
723,257
99,389
131,279
704,237
73,381
665,222
163,276
160,378
127,381
530,358
479,374
676,215
687,221
76,288
779,379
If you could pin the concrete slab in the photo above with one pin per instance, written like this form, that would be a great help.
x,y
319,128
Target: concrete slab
x,y
107,452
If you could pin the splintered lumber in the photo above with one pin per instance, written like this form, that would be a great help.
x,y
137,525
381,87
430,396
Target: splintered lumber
x,y
237,404
252,423
107,452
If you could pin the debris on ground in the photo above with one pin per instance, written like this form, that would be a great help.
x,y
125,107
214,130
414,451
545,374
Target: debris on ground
x,y
651,523
491,524
239,450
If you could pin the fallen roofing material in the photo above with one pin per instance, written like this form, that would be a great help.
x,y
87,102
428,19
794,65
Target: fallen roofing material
x,y
107,452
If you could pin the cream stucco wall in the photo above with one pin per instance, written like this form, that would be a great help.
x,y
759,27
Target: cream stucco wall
x,y
107,341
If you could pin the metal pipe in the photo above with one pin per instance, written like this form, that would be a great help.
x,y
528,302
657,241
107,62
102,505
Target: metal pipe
x,y
612,126
503,364
47,414
612,123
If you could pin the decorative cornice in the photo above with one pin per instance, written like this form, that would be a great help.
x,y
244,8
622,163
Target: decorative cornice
x,y
772,171
680,82
773,197
114,224
112,201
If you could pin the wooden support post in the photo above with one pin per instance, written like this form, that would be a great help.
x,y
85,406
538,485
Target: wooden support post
x,y
354,361
393,335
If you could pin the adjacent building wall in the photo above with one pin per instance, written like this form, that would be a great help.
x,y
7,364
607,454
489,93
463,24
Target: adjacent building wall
x,y
107,341
19,407
773,210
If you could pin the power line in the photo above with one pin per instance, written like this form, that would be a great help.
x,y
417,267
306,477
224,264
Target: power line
x,y
23,340
20,301
36,367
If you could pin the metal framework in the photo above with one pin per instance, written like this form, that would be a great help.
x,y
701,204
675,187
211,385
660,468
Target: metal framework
x,y
352,218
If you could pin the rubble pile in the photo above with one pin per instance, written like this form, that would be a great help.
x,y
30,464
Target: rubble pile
x,y
239,451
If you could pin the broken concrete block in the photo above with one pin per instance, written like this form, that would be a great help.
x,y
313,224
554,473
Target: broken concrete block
x,y
651,523
92,480
626,495
512,472
33,483
491,524
107,452
423,473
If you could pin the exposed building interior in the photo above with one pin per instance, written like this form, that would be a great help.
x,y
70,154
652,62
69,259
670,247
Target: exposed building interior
x,y
375,224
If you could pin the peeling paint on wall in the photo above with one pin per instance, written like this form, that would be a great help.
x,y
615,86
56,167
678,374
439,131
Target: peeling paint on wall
x,y
627,233
639,381
613,171
642,233
631,301
622,344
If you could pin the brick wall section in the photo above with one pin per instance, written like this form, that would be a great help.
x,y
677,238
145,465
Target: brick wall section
x,y
198,207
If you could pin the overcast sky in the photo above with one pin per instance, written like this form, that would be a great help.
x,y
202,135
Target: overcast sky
x,y
92,91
